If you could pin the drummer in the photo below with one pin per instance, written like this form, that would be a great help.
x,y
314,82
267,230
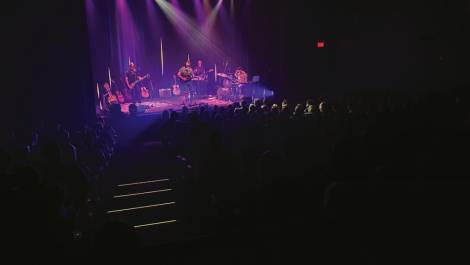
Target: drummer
x,y
241,78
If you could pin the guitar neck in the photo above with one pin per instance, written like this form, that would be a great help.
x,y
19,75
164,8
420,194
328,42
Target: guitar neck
x,y
138,81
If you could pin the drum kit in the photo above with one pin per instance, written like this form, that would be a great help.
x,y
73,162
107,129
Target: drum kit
x,y
232,84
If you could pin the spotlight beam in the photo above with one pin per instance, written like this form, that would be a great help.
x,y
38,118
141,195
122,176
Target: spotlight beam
x,y
189,29
207,7
209,24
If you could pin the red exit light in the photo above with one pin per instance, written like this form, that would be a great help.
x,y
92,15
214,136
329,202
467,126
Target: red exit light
x,y
320,44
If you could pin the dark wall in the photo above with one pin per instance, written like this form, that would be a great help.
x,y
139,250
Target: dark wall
x,y
370,45
48,63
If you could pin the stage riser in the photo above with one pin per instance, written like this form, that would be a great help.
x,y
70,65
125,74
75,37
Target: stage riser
x,y
157,106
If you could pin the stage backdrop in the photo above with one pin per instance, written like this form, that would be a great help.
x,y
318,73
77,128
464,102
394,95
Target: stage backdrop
x,y
160,35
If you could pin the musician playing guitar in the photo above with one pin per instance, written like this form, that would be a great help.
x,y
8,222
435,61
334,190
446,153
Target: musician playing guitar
x,y
108,96
200,71
185,75
201,78
132,80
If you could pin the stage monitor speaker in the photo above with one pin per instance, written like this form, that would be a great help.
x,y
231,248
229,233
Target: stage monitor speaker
x,y
164,92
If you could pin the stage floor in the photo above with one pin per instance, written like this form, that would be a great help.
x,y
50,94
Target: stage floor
x,y
158,105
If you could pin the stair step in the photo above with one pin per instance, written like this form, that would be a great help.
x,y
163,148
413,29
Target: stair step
x,y
130,200
143,182
155,223
141,186
145,214
164,233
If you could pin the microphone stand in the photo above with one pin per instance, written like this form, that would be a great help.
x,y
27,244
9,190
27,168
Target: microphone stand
x,y
151,85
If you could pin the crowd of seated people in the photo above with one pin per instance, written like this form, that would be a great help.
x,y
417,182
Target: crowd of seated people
x,y
291,168
51,175
353,175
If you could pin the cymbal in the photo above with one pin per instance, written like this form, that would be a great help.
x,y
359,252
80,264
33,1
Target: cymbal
x,y
223,75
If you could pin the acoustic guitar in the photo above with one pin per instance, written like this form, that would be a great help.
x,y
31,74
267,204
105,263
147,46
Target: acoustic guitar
x,y
185,74
176,88
144,92
120,97
112,99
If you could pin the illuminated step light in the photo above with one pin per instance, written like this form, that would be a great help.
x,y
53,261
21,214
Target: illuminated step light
x,y
143,182
141,193
154,224
141,207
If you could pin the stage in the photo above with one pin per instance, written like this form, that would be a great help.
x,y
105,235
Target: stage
x,y
158,105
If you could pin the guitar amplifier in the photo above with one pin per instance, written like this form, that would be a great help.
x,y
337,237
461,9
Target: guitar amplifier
x,y
164,92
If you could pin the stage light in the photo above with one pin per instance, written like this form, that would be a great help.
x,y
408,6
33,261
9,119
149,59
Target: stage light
x,y
320,44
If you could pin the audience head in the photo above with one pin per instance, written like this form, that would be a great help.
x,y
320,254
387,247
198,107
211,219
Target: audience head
x,y
322,107
115,110
174,116
193,116
310,109
252,108
133,110
165,115
308,103
275,109
265,108
258,103
298,110
245,103
284,104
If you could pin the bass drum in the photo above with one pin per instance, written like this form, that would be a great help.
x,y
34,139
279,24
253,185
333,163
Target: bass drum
x,y
226,83
223,92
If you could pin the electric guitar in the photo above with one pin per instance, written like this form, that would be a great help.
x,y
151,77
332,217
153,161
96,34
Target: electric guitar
x,y
133,84
204,76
